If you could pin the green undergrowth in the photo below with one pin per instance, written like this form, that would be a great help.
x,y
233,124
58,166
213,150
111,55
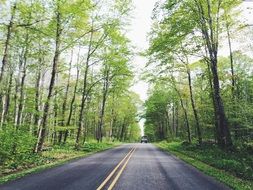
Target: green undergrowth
x,y
233,168
53,156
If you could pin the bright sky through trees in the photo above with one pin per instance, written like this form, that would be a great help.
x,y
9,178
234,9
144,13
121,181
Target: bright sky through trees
x,y
140,26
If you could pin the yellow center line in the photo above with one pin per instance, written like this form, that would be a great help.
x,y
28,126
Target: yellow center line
x,y
115,169
120,172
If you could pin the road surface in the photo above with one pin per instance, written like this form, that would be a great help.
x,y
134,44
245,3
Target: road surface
x,y
128,167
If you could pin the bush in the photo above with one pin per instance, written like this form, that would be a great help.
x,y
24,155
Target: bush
x,y
16,146
238,162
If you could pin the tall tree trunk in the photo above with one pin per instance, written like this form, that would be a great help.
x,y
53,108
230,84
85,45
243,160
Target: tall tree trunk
x,y
185,115
84,93
195,113
122,131
233,82
184,110
71,105
23,77
102,110
55,119
193,106
65,99
15,99
81,115
7,100
224,138
210,79
176,120
43,130
37,100
18,85
6,49
7,42
210,30
173,119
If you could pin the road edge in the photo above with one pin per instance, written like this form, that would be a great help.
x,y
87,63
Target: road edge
x,y
37,169
219,175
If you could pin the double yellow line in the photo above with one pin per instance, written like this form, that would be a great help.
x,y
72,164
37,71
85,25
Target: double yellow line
x,y
127,158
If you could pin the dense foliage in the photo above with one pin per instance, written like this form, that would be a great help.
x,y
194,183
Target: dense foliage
x,y
65,75
197,93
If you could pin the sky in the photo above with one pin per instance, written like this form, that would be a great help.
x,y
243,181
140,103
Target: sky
x,y
139,28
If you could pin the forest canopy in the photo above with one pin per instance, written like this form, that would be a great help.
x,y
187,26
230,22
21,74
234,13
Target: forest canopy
x,y
65,75
198,93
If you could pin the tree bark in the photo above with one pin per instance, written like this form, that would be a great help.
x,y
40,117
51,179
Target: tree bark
x,y
7,42
71,105
21,98
210,30
194,107
224,138
233,82
84,92
102,110
42,133
37,99
7,100
55,119
65,99
186,116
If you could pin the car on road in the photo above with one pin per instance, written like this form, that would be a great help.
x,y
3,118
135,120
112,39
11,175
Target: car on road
x,y
144,139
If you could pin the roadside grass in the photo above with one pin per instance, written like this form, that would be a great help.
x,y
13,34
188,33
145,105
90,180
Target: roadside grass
x,y
231,168
55,156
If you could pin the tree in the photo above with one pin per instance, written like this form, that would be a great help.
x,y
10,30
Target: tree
x,y
194,25
63,15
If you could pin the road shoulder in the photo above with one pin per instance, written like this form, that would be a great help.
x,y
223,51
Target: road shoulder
x,y
220,175
56,163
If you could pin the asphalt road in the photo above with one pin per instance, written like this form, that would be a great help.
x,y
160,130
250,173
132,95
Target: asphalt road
x,y
143,167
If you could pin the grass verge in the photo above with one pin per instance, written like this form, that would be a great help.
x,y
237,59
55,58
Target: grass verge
x,y
59,155
204,159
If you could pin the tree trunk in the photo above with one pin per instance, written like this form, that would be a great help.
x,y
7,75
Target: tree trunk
x,y
65,99
186,117
7,100
102,110
71,105
55,119
173,119
122,131
21,98
176,120
210,30
233,82
224,138
7,42
84,95
193,106
36,99
18,86
42,134
6,50
210,79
